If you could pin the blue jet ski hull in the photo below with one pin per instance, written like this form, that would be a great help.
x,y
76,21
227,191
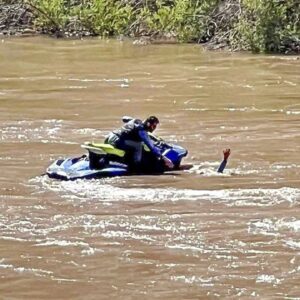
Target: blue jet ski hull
x,y
76,168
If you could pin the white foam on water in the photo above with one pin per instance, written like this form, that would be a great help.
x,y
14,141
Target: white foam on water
x,y
36,272
194,280
105,191
293,244
91,132
29,131
86,248
264,278
62,243
275,227
293,112
246,109
76,87
188,247
11,238
124,80
209,169
124,235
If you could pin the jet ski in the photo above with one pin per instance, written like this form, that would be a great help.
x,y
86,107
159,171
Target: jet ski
x,y
104,160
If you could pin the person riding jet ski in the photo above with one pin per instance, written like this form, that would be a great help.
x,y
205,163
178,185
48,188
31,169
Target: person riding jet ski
x,y
131,137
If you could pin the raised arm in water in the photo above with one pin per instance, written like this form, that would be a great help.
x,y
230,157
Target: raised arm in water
x,y
222,166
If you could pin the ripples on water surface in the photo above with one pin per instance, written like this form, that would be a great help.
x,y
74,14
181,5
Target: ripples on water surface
x,y
190,235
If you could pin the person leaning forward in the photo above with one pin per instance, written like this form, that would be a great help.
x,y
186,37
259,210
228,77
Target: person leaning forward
x,y
132,135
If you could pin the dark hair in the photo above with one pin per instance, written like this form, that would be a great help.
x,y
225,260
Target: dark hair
x,y
151,120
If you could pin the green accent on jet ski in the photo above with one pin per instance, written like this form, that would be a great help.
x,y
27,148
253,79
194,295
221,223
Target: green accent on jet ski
x,y
98,148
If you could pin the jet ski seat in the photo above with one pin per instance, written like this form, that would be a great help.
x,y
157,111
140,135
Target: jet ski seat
x,y
103,149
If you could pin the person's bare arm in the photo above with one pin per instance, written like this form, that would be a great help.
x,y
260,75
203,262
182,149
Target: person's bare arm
x,y
222,166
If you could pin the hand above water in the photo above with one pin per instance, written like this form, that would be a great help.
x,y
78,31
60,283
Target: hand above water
x,y
226,153
168,162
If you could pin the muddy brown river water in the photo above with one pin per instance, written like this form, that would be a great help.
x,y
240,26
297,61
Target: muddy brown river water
x,y
188,235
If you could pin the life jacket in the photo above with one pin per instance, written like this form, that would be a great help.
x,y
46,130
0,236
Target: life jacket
x,y
130,130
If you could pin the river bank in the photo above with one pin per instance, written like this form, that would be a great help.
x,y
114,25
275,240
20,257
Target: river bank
x,y
247,25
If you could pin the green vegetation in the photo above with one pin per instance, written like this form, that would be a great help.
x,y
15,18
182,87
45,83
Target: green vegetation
x,y
256,25
269,26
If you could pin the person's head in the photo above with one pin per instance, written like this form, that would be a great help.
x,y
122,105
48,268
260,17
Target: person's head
x,y
150,123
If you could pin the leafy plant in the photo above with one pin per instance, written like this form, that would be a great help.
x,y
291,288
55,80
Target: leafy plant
x,y
52,14
105,17
257,25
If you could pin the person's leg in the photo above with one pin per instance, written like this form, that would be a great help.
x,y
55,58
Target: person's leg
x,y
136,148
